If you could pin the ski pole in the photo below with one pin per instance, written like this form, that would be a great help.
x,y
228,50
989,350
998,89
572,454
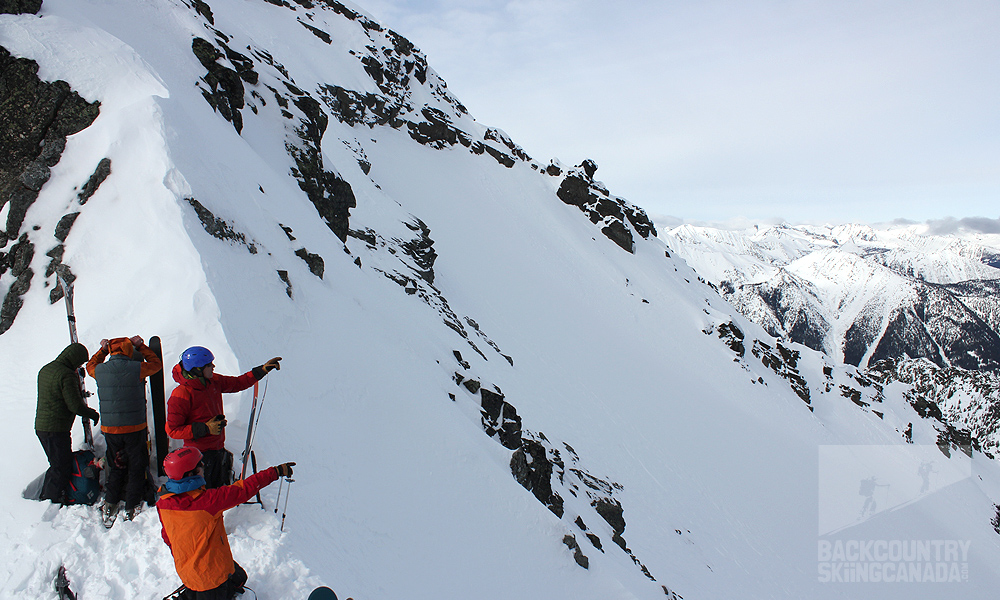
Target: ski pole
x,y
277,501
283,510
252,424
246,450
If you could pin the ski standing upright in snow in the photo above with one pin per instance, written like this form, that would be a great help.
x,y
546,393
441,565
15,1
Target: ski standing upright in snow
x,y
88,433
158,400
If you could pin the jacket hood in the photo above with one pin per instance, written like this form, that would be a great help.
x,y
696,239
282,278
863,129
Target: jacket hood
x,y
120,346
74,355
178,374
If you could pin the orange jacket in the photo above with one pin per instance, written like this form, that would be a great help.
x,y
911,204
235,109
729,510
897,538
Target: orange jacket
x,y
193,528
149,364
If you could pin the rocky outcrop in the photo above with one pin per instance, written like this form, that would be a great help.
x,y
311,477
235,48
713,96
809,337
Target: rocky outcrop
x,y
616,218
313,261
551,472
37,118
222,86
964,404
219,228
20,7
784,362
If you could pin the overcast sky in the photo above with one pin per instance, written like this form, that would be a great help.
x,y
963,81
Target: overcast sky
x,y
813,110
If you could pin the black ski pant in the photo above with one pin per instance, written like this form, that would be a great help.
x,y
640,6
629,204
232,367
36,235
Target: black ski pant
x,y
218,465
58,449
128,461
226,591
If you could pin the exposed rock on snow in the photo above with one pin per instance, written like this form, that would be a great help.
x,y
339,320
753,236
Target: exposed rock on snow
x,y
19,7
37,117
219,228
613,214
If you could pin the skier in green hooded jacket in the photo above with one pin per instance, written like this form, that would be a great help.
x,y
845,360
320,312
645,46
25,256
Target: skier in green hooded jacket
x,y
60,400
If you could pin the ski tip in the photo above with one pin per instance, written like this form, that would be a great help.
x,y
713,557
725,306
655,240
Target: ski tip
x,y
322,593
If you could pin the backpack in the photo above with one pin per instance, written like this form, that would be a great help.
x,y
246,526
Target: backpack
x,y
85,479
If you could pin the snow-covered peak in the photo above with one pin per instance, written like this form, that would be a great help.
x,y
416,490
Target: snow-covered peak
x,y
856,287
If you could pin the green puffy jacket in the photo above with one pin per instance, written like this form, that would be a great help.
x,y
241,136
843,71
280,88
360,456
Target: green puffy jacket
x,y
59,395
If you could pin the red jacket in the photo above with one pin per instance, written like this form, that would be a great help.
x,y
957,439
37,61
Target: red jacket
x,y
195,402
192,525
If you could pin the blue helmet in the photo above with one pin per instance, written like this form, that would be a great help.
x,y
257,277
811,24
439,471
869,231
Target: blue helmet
x,y
196,356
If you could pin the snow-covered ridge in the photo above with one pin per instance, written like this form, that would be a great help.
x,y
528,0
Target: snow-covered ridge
x,y
859,292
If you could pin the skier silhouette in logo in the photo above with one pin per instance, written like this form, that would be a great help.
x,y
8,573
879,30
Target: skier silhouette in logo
x,y
867,489
925,470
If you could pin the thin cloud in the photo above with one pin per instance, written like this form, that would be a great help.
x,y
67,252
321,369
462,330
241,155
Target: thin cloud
x,y
951,225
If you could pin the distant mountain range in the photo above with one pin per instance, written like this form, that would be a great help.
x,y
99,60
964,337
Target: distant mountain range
x,y
857,292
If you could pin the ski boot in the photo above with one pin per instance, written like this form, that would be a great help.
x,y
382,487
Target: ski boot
x,y
109,512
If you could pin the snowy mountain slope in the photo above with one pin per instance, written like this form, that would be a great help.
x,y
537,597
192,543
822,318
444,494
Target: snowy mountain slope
x,y
299,184
856,292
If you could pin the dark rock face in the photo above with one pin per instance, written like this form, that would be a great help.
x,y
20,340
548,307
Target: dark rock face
x,y
100,174
37,117
330,194
614,214
578,554
283,276
65,224
547,471
20,7
218,228
784,362
17,260
733,337
421,250
225,86
532,468
500,419
315,261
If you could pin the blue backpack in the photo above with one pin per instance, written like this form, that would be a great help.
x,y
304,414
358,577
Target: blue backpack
x,y
85,480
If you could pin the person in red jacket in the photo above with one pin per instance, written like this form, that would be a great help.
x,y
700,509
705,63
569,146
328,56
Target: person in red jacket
x,y
194,410
191,519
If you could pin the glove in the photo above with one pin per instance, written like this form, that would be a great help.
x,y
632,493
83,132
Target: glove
x,y
216,424
271,365
285,469
92,414
104,344
136,341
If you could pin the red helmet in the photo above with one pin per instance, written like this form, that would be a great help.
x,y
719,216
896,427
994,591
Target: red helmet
x,y
179,462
